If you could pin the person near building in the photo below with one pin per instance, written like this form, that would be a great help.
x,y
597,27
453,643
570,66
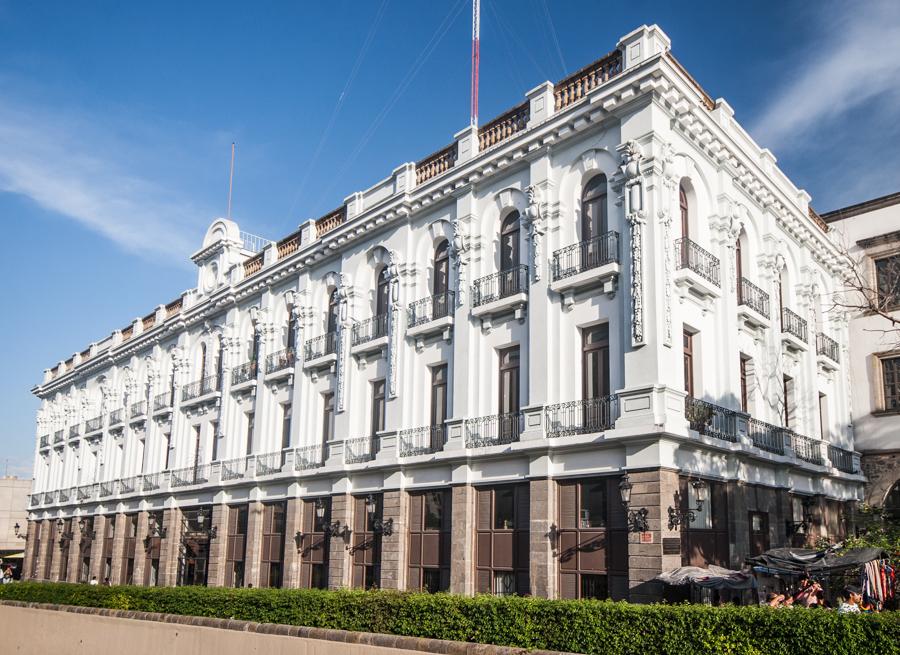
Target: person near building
x,y
93,581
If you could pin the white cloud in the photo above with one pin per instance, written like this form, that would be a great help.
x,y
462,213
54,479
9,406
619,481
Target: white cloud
x,y
854,60
81,168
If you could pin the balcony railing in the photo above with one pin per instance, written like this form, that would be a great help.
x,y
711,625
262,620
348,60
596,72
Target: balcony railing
x,y
151,481
34,500
766,436
163,400
582,416
185,477
711,420
841,459
435,164
577,86
369,329
430,309
59,436
74,431
45,441
107,488
201,387
115,416
235,469
270,463
244,373
360,450
138,409
320,346
129,485
422,441
793,324
494,430
806,449
693,257
753,297
586,255
93,424
500,285
280,360
85,491
503,127
308,457
828,347
64,495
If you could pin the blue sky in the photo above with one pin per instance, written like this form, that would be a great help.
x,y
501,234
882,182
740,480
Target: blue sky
x,y
116,121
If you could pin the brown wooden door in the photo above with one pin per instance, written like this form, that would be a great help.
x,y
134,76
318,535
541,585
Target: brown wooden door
x,y
429,540
501,540
705,543
236,545
272,550
314,547
366,544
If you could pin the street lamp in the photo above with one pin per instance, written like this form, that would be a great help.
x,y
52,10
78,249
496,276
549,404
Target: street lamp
x,y
678,517
17,528
379,525
801,526
320,517
636,519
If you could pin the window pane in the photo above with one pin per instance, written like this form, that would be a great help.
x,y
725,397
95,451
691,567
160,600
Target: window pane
x,y
434,510
504,509
504,583
594,586
593,506
431,580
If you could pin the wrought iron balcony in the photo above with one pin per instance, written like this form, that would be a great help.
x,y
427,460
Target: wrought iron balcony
x,y
34,500
586,255
753,297
235,469
49,497
280,360
422,441
151,481
45,441
200,388
191,475
308,457
369,329
74,431
93,424
828,347
692,256
244,373
138,409
793,324
59,436
841,459
85,491
115,416
766,436
430,309
64,495
107,488
129,485
494,430
806,449
582,416
163,400
270,463
360,450
497,286
319,347
711,420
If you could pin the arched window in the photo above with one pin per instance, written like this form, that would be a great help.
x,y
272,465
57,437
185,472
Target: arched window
x,y
509,242
254,346
383,293
332,311
892,503
683,205
441,283
593,209
739,267
202,360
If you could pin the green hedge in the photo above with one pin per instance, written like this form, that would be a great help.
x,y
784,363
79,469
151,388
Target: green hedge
x,y
574,626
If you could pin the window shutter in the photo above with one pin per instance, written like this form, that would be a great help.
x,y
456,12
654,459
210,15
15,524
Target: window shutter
x,y
568,505
484,501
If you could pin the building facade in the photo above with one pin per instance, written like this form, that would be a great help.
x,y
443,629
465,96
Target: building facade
x,y
456,380
869,233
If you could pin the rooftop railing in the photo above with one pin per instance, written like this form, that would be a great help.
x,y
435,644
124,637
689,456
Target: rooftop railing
x,y
369,329
280,360
692,256
710,419
828,347
586,255
494,430
253,265
331,221
500,285
841,459
503,127
320,346
138,409
422,441
793,324
435,164
753,297
200,388
244,373
766,436
430,309
360,450
308,457
573,88
582,416
289,245
252,242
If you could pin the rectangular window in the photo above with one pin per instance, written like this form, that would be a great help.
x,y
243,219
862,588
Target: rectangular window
x,y
378,400
688,343
214,427
439,394
890,382
327,417
235,545
509,380
270,574
592,513
823,416
169,450
286,426
703,516
250,423
745,404
588,548
365,542
788,392
501,552
595,362
887,280
196,445
429,540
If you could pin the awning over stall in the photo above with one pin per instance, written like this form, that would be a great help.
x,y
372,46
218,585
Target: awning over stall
x,y
713,577
796,561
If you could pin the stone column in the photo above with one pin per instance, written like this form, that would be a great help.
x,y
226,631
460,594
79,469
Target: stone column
x,y
118,551
97,548
170,548
393,548
542,564
293,522
253,551
140,551
339,555
656,490
74,566
217,547
31,528
56,556
46,547
462,536
738,529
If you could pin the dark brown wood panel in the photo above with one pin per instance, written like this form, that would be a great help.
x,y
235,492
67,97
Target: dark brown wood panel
x,y
502,539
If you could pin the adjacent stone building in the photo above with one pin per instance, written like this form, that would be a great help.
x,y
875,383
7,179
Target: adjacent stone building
x,y
584,343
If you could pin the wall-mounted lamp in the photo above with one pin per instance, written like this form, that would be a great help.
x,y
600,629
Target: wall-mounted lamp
x,y
678,517
17,528
636,519
801,526
83,529
65,536
289,296
379,525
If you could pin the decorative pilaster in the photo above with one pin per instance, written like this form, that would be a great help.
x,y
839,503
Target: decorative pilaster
x,y
458,254
393,275
636,217
343,345
535,226
664,214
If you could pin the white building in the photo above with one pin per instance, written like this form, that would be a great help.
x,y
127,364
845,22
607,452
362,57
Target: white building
x,y
494,346
870,233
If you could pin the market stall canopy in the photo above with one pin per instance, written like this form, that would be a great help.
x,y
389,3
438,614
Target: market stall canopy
x,y
714,577
806,560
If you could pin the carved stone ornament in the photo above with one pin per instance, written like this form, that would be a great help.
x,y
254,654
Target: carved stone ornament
x,y
340,373
669,186
393,274
635,215
534,224
458,249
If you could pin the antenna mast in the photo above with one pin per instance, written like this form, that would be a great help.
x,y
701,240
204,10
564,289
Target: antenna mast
x,y
476,55
230,181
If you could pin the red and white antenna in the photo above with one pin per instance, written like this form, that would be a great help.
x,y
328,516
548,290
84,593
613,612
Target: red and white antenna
x,y
476,21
